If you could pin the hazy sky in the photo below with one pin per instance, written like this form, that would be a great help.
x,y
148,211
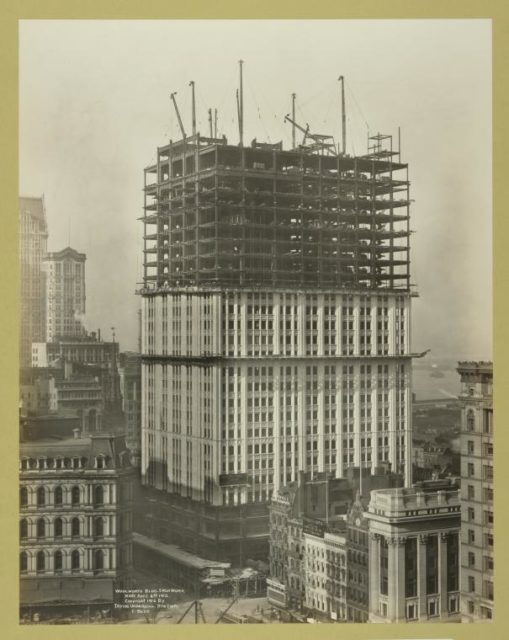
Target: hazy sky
x,y
95,104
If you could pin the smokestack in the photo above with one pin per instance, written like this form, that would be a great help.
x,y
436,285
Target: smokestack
x,y
99,335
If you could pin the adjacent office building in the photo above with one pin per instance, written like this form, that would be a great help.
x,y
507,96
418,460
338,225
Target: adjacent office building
x,y
65,294
477,540
33,236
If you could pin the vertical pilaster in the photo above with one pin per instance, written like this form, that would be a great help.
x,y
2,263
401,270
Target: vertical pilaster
x,y
442,573
374,572
421,576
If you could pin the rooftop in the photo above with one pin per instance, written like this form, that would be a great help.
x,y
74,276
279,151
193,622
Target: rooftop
x,y
415,502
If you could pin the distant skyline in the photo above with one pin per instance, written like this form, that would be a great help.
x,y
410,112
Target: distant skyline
x,y
95,104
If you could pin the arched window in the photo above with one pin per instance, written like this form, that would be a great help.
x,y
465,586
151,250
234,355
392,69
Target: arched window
x,y
58,527
99,462
41,561
98,560
98,527
75,527
23,562
75,559
57,559
470,420
23,528
75,495
23,496
58,495
41,528
98,495
41,497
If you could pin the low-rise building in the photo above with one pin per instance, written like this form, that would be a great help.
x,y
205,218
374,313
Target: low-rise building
x,y
414,553
76,499
316,515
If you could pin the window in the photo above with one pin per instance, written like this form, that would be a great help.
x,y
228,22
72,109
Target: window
x,y
488,589
411,612
432,608
98,495
58,527
470,420
471,583
471,536
57,561
471,607
75,495
41,561
23,496
58,495
23,562
471,492
453,605
471,513
470,469
75,527
41,528
471,559
98,527
98,560
75,560
41,497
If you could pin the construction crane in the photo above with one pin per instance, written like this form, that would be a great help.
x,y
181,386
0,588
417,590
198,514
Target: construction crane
x,y
343,114
319,141
193,107
172,96
297,126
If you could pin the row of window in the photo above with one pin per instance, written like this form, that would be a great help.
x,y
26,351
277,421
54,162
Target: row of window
x,y
42,561
43,496
58,527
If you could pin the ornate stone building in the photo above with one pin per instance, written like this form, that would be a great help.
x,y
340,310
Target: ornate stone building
x,y
414,553
75,521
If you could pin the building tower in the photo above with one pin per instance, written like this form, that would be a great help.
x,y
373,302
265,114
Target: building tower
x,y
33,235
275,322
476,491
65,294
414,553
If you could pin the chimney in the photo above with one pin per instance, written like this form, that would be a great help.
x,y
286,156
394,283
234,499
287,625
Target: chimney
x,y
99,335
76,433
